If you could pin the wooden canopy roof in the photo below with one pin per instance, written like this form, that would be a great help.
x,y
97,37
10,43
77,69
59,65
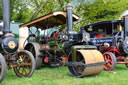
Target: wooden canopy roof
x,y
49,20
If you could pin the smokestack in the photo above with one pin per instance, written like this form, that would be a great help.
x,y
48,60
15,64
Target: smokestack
x,y
69,18
6,15
125,26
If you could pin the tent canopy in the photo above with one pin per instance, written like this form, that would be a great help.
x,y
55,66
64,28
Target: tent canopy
x,y
49,20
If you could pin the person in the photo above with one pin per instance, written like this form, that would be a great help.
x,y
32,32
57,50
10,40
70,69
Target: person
x,y
55,34
85,35
99,35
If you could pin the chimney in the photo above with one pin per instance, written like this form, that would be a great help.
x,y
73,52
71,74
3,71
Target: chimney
x,y
125,26
6,15
69,18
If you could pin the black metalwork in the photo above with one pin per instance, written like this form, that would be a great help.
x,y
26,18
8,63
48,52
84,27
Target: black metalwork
x,y
6,15
9,49
77,64
69,18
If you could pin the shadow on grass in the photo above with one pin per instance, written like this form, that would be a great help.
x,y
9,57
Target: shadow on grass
x,y
90,76
65,74
10,75
50,67
121,67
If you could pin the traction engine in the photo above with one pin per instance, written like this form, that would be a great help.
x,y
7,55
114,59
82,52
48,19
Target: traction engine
x,y
118,53
82,59
21,61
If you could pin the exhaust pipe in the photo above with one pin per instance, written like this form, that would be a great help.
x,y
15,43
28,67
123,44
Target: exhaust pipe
x,y
6,15
125,26
69,18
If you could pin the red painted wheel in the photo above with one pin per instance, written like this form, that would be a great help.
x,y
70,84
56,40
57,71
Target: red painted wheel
x,y
110,58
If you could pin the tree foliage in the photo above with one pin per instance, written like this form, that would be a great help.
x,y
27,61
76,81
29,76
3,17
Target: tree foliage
x,y
26,10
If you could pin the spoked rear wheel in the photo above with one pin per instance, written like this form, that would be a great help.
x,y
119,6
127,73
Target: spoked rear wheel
x,y
25,64
2,67
110,58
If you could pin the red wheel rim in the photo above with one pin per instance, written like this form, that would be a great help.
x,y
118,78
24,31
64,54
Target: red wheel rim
x,y
109,60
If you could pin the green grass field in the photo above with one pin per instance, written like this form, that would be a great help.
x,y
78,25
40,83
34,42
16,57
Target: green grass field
x,y
61,76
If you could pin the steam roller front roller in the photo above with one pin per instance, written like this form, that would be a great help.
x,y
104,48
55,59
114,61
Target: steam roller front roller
x,y
86,63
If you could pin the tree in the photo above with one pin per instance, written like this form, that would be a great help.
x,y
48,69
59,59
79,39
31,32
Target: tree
x,y
99,10
40,8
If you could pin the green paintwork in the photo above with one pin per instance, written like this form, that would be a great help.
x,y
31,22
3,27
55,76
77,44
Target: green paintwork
x,y
51,41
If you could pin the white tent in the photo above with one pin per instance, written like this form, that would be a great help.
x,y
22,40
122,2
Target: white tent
x,y
125,13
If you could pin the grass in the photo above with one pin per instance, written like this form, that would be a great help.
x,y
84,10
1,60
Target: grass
x,y
61,76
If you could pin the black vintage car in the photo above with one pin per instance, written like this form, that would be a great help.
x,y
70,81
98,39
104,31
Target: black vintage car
x,y
104,32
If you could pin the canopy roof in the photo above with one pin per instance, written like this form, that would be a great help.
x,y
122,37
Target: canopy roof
x,y
107,27
49,20
105,24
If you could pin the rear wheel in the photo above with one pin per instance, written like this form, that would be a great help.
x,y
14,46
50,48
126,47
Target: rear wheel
x,y
25,64
2,67
110,58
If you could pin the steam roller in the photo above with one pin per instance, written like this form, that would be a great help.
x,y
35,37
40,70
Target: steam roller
x,y
85,63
